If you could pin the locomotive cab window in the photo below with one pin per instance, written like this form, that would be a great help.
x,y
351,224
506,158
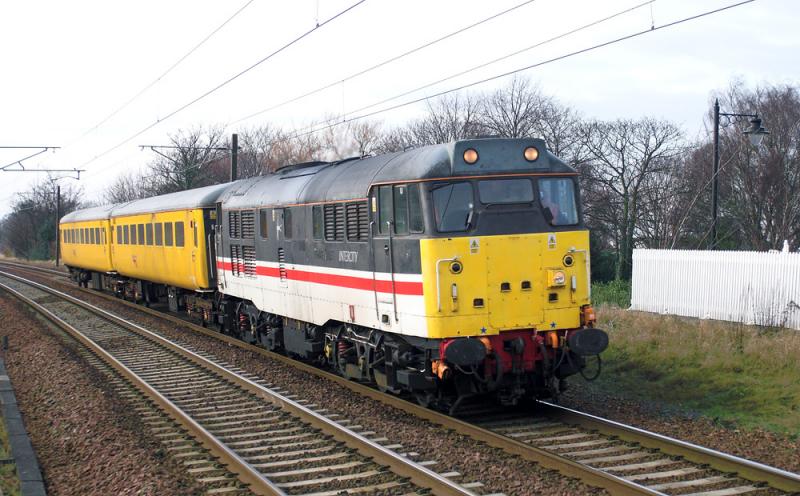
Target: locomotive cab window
x,y
453,206
263,223
500,191
557,197
401,205
287,223
317,224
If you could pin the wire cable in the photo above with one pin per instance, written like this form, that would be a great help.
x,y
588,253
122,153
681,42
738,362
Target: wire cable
x,y
387,61
225,82
518,70
163,74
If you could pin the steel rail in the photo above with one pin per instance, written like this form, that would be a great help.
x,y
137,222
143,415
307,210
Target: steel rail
x,y
724,462
400,465
747,469
244,471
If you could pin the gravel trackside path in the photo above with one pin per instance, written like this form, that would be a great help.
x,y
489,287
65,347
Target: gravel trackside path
x,y
87,439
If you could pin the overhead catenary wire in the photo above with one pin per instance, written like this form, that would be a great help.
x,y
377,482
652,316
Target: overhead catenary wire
x,y
163,74
516,71
493,61
388,61
226,81
312,130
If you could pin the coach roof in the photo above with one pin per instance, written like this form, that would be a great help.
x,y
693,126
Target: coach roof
x,y
87,214
182,200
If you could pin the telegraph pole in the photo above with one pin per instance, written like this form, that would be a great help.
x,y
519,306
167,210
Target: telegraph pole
x,y
234,155
58,218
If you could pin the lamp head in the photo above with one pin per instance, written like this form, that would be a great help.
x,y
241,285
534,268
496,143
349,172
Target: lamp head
x,y
756,132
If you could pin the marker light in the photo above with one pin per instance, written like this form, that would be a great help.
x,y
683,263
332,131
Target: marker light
x,y
470,156
531,153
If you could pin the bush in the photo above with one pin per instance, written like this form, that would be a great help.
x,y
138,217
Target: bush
x,y
617,293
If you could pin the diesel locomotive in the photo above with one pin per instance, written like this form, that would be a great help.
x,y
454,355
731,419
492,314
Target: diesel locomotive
x,y
445,271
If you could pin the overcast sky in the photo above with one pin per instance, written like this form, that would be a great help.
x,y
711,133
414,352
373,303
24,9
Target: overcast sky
x,y
67,65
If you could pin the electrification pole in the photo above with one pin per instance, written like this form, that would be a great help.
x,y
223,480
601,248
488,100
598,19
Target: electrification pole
x,y
58,218
234,155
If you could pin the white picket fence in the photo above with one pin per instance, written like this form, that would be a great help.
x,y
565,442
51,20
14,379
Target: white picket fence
x,y
740,286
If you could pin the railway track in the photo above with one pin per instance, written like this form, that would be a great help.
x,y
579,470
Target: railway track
x,y
275,444
619,458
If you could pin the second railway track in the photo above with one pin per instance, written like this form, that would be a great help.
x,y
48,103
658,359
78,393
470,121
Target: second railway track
x,y
273,443
620,458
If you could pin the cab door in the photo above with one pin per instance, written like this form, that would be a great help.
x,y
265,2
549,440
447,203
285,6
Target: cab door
x,y
383,256
221,245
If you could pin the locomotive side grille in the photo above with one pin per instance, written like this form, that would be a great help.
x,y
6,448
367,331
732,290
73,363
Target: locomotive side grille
x,y
248,224
237,265
249,261
357,221
234,224
334,222
282,264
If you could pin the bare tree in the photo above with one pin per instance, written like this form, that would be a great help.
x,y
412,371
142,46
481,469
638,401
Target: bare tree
x,y
353,139
760,188
29,231
128,187
625,158
195,161
516,111
449,118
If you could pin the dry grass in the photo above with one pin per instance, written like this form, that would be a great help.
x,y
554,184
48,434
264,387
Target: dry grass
x,y
728,371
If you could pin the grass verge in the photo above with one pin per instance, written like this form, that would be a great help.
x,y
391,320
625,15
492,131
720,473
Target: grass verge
x,y
733,373
9,482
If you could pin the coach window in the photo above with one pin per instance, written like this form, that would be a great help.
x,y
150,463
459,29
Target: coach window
x,y
179,234
93,235
97,236
126,234
149,234
168,234
119,235
83,235
159,234
263,225
134,237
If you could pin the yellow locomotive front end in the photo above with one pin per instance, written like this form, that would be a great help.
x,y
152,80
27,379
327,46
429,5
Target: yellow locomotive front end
x,y
506,273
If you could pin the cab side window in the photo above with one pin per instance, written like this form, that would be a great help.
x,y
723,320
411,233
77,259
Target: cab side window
x,y
401,205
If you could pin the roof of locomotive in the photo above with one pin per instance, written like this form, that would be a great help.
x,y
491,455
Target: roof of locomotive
x,y
87,214
352,178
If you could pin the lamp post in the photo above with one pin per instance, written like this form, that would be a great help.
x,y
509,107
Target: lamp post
x,y
756,134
